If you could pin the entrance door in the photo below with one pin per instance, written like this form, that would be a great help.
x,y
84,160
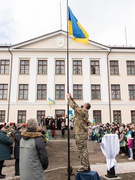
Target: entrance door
x,y
60,113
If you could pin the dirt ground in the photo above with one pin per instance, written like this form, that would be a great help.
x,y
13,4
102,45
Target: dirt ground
x,y
58,157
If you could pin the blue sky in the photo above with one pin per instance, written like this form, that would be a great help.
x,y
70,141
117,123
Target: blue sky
x,y
104,20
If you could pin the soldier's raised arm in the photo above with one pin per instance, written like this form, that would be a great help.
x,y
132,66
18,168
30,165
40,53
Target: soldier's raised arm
x,y
71,102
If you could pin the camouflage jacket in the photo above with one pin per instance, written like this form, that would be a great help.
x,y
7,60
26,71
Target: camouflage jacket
x,y
80,118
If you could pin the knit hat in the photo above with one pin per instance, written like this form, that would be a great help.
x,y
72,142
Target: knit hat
x,y
24,125
11,123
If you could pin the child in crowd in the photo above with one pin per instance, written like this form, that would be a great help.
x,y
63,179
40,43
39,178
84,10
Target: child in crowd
x,y
122,141
90,133
130,146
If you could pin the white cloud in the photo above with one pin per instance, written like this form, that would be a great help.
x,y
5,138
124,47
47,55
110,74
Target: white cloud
x,y
105,21
36,18
6,21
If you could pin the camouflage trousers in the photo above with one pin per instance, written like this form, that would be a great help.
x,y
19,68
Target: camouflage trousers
x,y
81,142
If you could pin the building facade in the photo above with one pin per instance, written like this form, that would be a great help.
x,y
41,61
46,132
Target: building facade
x,y
35,70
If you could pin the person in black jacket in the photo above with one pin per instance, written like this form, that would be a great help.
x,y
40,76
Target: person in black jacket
x,y
17,138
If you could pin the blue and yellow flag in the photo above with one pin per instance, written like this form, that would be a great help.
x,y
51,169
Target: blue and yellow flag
x,y
76,29
51,101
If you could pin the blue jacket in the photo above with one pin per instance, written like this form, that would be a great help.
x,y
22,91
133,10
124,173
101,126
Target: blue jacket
x,y
5,143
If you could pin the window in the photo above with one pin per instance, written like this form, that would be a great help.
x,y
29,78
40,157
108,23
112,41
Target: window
x,y
24,66
97,116
4,66
115,90
23,91
41,91
77,91
60,67
133,116
59,91
2,116
21,117
3,91
117,116
131,89
42,66
60,113
95,91
131,67
114,68
77,67
94,67
39,115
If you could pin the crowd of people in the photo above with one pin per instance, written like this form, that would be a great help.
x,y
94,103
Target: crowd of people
x,y
125,132
24,142
12,133
53,124
14,138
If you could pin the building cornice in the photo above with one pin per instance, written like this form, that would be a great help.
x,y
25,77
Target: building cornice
x,y
56,50
123,50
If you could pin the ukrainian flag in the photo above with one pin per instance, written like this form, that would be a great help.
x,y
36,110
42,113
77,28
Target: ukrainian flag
x,y
76,29
51,101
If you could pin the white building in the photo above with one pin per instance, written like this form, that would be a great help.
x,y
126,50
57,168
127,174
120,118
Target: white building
x,y
35,70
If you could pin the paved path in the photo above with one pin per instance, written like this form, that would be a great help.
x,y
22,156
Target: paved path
x,y
101,168
126,167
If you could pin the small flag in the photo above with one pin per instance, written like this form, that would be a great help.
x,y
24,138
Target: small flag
x,y
51,101
76,29
93,121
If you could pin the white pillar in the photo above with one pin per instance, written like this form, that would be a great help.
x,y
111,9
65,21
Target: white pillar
x,y
70,75
104,79
32,82
51,85
86,80
14,80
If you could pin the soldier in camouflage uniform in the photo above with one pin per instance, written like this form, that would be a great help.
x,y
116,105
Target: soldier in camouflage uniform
x,y
81,131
